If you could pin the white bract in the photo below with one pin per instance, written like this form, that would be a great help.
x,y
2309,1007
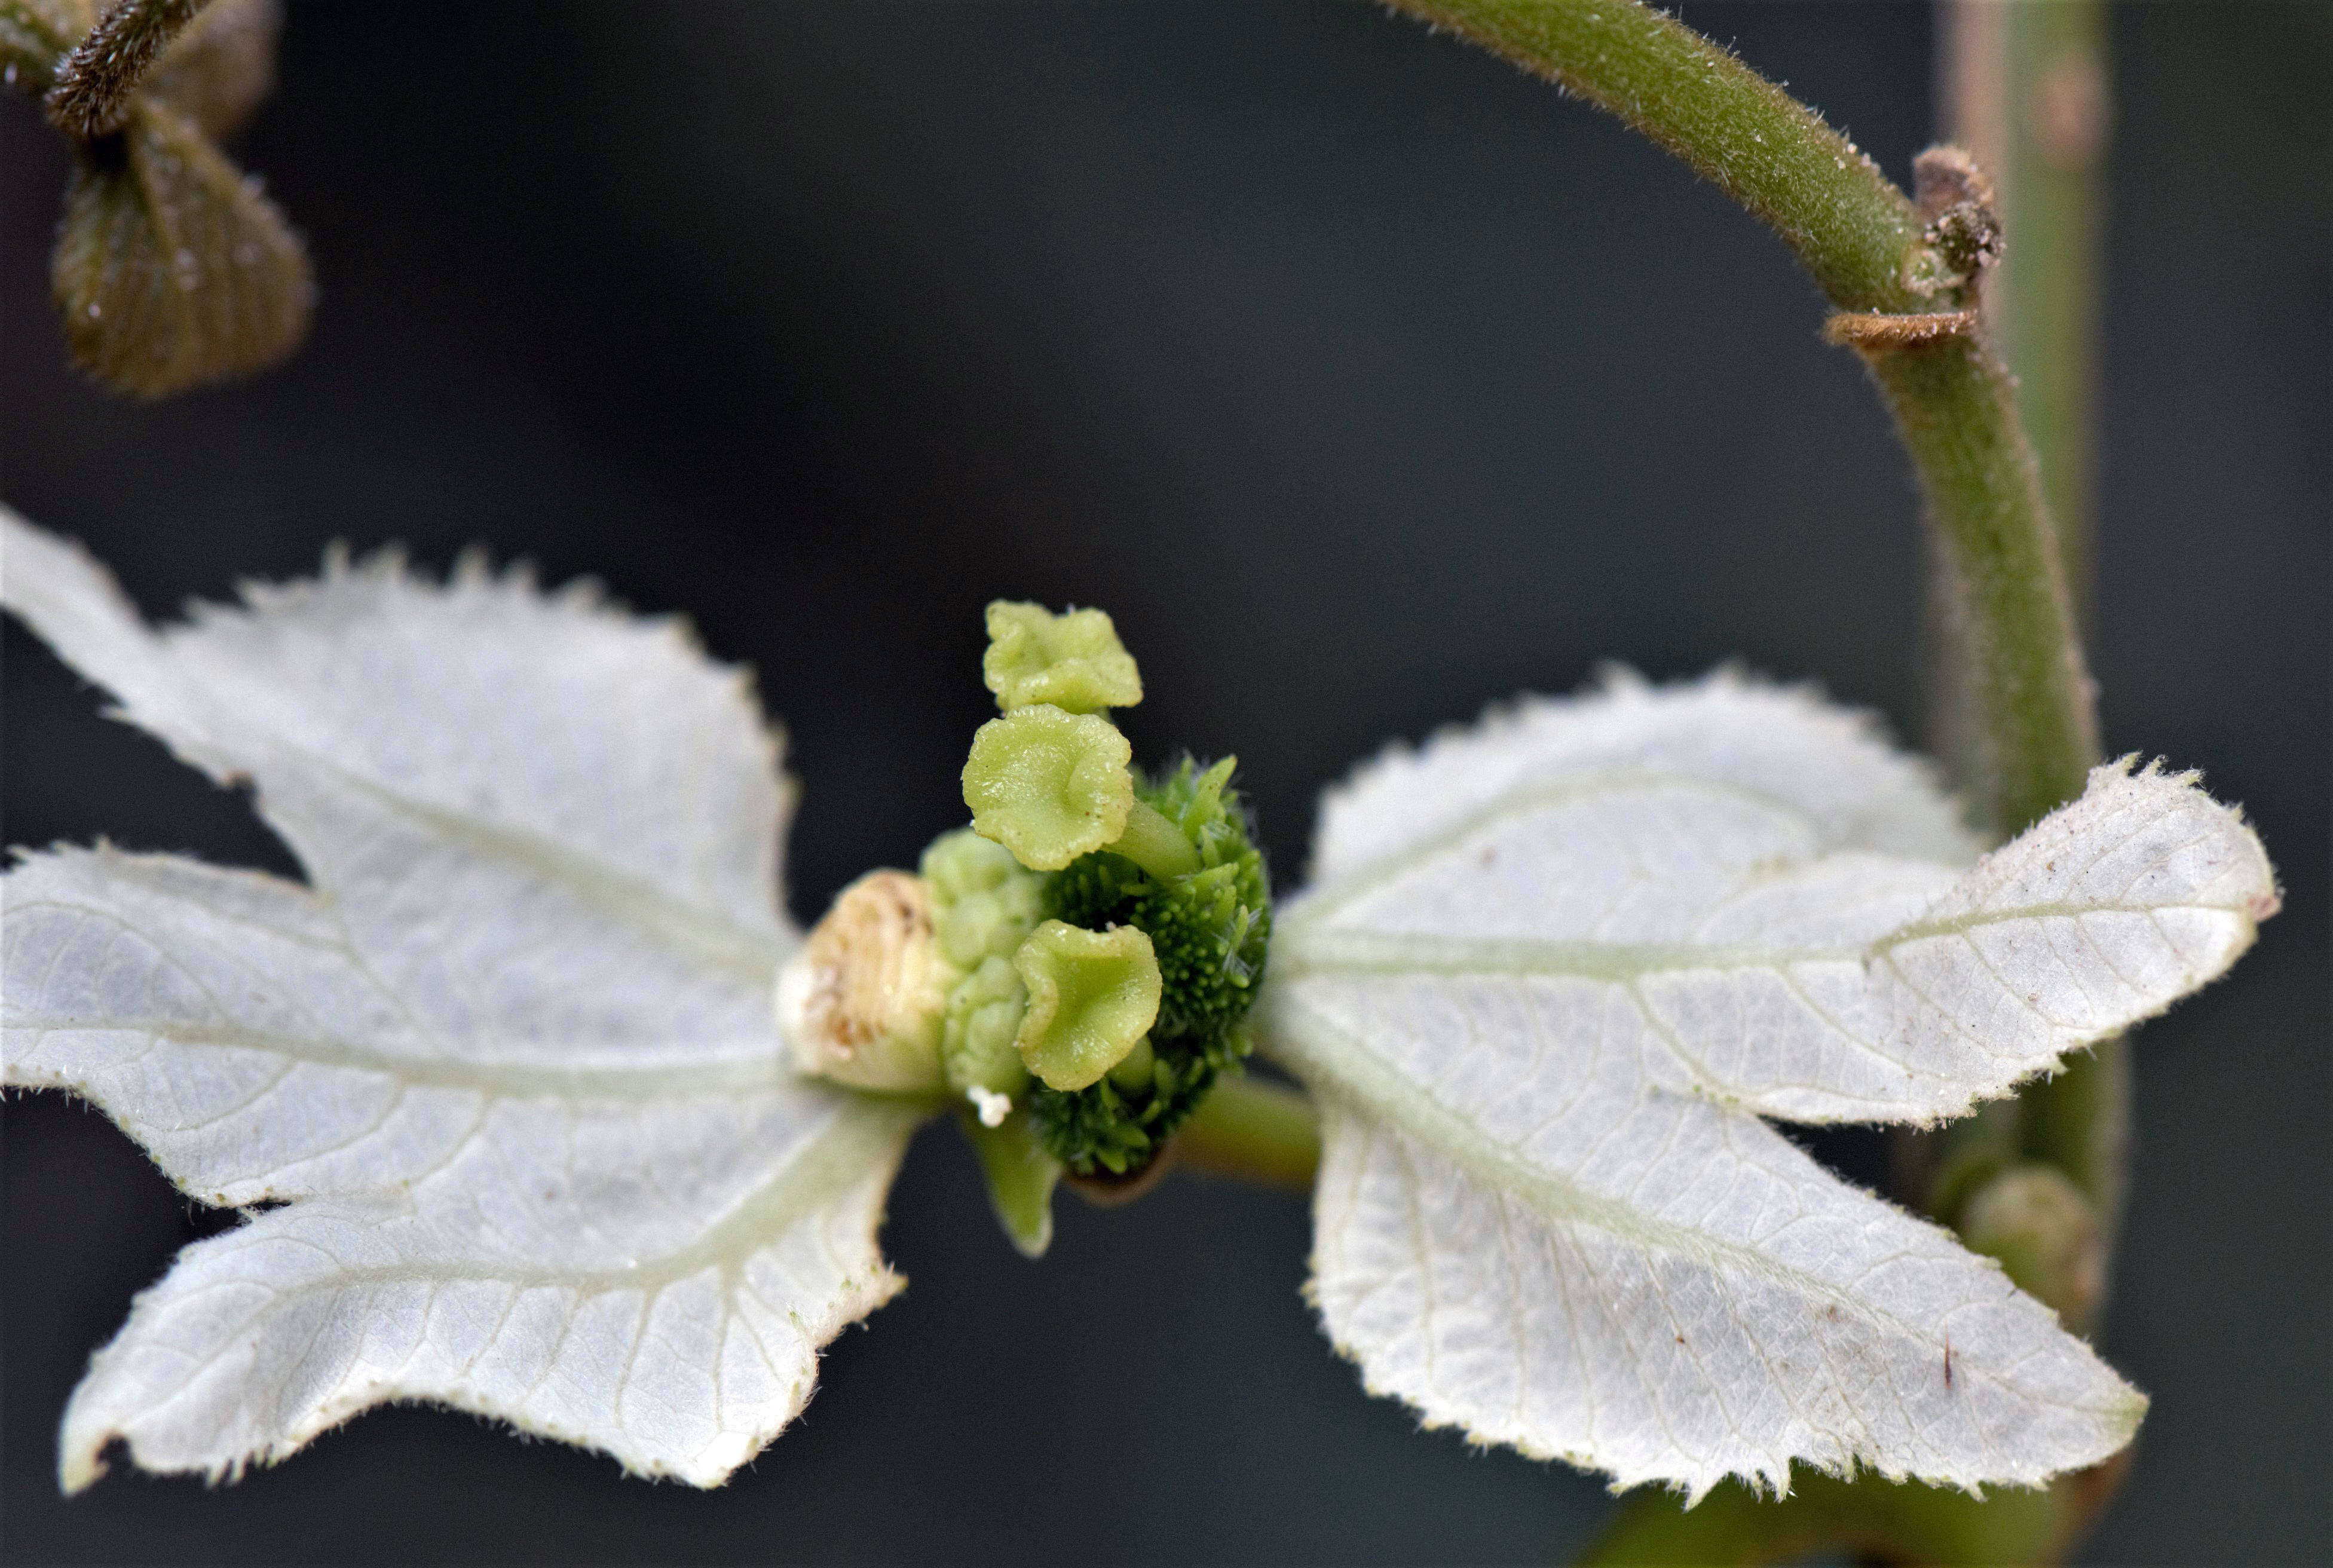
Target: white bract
x,y
1551,972
507,1061
508,1064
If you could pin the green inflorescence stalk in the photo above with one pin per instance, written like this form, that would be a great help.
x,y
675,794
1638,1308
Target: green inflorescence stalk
x,y
1955,409
1257,1131
2027,89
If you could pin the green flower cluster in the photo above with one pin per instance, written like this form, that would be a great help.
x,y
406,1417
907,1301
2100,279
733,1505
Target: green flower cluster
x,y
1156,907
1210,929
1074,969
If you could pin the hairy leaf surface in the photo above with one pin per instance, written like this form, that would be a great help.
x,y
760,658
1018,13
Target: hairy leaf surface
x,y
508,1058
1554,968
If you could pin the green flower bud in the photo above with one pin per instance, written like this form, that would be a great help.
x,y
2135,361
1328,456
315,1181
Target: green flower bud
x,y
978,1049
962,863
862,1002
1048,785
1139,1071
1092,996
2046,1234
1072,661
983,902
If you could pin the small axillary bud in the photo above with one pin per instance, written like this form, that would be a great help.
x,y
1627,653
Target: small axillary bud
x,y
2047,1236
1962,237
1093,996
1072,661
1048,784
863,1002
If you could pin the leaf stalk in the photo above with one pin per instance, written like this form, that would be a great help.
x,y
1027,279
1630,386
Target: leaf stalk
x,y
1256,1132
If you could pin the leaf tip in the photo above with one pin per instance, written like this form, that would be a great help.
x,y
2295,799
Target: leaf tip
x,y
81,1447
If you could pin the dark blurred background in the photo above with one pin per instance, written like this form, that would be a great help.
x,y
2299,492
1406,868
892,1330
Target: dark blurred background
x,y
1366,381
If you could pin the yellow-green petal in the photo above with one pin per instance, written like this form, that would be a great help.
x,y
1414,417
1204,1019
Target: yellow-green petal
x,y
1048,785
1074,660
1092,997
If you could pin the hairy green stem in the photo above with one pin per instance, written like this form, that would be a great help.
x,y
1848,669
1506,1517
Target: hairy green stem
x,y
1861,239
1850,227
1954,410
1254,1131
2079,1121
90,97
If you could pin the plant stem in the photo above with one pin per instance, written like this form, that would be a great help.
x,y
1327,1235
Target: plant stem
x,y
1861,240
1953,409
90,97
1156,844
2025,89
1252,1130
2079,1121
1850,227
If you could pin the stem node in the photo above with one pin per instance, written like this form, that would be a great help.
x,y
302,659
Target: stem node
x,y
1869,329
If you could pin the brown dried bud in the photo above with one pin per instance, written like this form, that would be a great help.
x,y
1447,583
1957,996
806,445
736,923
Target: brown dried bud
x,y
862,1002
1963,220
171,269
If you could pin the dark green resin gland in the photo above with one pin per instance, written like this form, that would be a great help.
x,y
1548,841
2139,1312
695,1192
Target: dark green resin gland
x,y
1210,929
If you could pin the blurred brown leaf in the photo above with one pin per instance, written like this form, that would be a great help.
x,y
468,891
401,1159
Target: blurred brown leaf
x,y
171,268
